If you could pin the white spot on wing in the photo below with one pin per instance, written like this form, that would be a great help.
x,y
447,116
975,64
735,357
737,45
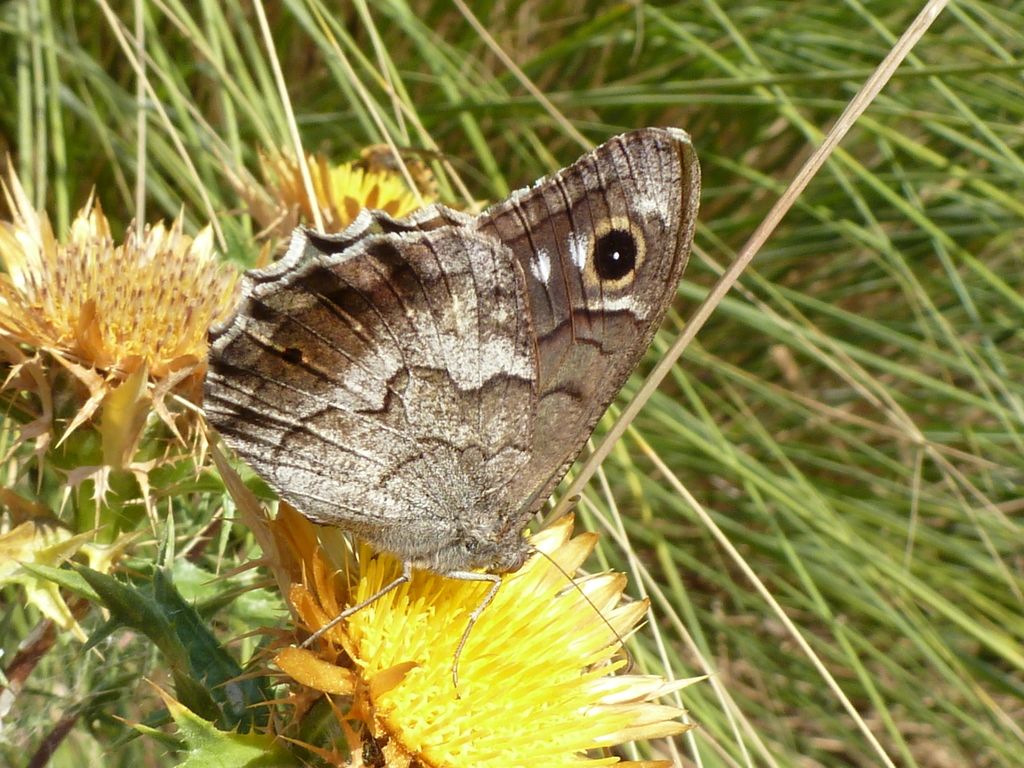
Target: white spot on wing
x,y
649,207
541,266
625,303
578,247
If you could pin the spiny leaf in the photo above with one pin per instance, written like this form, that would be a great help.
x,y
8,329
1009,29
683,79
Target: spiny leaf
x,y
206,676
208,746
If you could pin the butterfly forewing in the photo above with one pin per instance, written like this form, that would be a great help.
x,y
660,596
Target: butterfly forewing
x,y
603,244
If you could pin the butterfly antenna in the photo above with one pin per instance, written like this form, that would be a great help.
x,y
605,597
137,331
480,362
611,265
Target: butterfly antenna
x,y
618,638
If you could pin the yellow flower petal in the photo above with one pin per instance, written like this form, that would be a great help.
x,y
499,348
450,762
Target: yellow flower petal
x,y
307,668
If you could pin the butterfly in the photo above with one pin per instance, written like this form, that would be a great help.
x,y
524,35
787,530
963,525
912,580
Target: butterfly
x,y
424,383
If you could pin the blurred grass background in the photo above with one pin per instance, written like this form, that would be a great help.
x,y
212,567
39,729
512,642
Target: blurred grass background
x,y
851,417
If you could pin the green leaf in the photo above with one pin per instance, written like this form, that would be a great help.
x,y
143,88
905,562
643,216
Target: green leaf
x,y
209,747
62,577
207,679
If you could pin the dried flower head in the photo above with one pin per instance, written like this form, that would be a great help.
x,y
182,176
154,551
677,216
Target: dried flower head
x,y
99,333
145,302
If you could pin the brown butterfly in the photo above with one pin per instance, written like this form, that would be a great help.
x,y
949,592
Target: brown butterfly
x,y
425,383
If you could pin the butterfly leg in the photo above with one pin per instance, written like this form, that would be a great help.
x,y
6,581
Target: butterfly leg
x,y
495,580
406,575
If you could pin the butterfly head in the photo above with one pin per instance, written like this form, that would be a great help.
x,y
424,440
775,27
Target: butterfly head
x,y
478,547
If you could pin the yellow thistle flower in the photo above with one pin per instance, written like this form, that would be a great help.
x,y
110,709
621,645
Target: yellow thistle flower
x,y
146,302
341,191
536,678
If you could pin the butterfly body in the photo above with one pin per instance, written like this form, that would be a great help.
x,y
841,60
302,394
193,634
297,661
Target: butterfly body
x,y
425,383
